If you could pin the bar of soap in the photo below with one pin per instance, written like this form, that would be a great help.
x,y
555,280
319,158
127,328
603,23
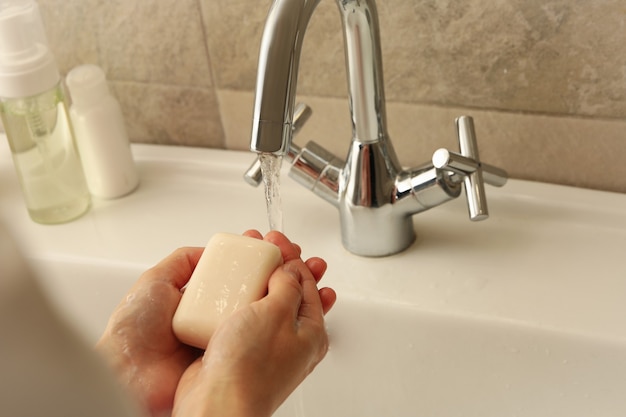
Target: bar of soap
x,y
233,271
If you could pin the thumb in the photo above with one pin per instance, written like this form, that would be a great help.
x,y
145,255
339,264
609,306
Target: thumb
x,y
284,287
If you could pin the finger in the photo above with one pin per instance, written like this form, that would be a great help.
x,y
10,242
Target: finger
x,y
176,268
284,288
311,306
328,297
317,266
253,233
289,251
297,248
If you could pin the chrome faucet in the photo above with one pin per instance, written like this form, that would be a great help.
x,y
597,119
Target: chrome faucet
x,y
376,198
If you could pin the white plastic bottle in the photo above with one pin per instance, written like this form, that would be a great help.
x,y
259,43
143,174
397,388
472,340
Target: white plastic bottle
x,y
34,114
100,134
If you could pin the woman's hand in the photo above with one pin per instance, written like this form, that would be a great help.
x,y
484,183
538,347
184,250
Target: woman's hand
x,y
139,343
253,361
258,356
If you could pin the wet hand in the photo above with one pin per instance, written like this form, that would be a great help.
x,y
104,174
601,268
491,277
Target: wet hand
x,y
139,343
260,354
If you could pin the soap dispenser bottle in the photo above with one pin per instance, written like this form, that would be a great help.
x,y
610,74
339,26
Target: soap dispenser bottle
x,y
100,134
34,113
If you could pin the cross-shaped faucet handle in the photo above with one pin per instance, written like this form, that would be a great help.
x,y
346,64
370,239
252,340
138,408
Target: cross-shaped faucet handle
x,y
473,171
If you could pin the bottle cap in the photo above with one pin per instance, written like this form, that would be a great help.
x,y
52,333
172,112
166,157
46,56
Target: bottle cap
x,y
27,66
87,84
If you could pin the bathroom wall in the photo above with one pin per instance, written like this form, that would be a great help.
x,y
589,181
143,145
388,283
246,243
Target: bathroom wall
x,y
544,79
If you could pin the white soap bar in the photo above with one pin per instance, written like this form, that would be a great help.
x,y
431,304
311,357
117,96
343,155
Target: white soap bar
x,y
232,272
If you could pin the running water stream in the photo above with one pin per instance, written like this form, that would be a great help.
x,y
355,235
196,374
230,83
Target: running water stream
x,y
270,168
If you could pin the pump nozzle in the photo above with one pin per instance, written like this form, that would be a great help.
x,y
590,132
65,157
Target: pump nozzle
x,y
27,66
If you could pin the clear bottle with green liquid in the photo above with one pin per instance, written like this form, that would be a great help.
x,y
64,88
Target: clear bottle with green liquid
x,y
35,118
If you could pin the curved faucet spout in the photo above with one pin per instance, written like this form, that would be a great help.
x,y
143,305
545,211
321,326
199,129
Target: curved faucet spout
x,y
278,74
279,60
366,91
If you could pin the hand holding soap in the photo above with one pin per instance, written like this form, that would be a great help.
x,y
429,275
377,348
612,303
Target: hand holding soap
x,y
232,272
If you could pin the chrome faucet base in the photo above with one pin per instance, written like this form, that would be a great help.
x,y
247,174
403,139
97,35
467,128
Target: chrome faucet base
x,y
370,221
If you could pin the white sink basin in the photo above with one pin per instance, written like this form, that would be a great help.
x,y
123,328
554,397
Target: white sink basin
x,y
521,315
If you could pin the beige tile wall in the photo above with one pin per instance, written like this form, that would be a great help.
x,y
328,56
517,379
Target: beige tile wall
x,y
544,79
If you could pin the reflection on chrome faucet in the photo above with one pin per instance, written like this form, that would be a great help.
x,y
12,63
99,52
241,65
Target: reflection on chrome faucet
x,y
376,198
